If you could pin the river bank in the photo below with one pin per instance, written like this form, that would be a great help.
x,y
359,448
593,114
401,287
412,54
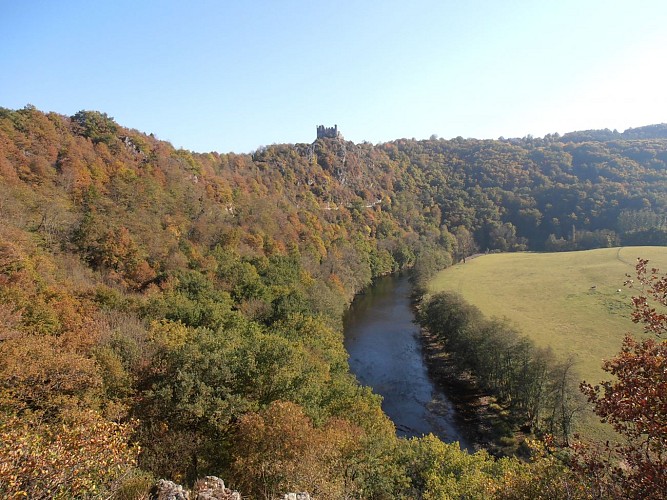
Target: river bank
x,y
422,388
483,423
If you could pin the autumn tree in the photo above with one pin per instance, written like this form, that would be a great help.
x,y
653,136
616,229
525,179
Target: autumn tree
x,y
635,402
84,457
279,450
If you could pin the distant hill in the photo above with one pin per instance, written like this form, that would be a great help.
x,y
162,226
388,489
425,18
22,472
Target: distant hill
x,y
647,132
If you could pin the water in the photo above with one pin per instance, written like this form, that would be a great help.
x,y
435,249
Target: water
x,y
382,339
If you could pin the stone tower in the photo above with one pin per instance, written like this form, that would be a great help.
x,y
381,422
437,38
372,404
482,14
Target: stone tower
x,y
328,132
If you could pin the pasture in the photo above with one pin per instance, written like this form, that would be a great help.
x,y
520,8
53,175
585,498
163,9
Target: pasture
x,y
573,302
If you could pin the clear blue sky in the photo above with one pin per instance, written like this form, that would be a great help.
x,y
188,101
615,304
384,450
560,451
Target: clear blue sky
x,y
234,75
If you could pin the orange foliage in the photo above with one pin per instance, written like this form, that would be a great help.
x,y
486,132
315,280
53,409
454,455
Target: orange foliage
x,y
38,374
279,450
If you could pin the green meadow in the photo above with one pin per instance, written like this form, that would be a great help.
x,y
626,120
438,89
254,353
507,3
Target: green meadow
x,y
573,302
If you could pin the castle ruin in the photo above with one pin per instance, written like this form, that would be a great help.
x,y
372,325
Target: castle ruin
x,y
328,132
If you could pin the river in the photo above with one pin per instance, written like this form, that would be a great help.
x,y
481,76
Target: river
x,y
382,339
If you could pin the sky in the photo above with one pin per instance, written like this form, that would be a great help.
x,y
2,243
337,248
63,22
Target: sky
x,y
237,75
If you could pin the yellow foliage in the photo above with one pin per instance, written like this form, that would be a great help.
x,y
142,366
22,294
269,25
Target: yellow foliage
x,y
84,457
169,334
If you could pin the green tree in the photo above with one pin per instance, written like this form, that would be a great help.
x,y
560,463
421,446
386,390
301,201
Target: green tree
x,y
465,243
96,126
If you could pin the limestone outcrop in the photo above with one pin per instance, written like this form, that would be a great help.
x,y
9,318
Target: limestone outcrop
x,y
209,488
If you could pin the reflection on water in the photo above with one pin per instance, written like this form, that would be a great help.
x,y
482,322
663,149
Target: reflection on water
x,y
382,339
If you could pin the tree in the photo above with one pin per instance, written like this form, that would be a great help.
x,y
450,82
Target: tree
x,y
465,243
565,402
279,449
85,457
635,403
98,127
503,237
439,470
40,374
654,291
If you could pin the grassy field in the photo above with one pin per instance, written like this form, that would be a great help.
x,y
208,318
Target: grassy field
x,y
573,302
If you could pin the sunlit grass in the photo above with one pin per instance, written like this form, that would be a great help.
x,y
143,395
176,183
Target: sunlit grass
x,y
573,302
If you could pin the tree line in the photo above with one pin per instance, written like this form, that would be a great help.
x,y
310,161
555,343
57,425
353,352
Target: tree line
x,y
539,391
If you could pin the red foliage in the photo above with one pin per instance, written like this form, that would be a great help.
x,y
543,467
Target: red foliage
x,y
635,404
654,290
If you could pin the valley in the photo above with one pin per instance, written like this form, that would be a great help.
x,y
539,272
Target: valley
x,y
186,309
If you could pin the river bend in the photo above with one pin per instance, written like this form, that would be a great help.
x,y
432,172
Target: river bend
x,y
382,339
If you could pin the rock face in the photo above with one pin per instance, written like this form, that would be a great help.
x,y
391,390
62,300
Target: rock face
x,y
168,490
209,488
213,488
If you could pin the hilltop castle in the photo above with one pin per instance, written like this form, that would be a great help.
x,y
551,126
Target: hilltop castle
x,y
328,132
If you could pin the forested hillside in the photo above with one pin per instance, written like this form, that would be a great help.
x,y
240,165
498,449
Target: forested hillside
x,y
171,314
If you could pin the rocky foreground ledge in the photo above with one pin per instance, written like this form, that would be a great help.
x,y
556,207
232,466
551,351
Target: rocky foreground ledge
x,y
209,488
